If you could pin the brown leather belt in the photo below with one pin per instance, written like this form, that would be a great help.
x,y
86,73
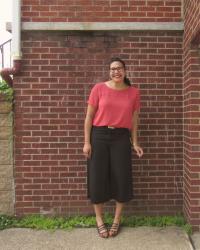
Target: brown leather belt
x,y
109,127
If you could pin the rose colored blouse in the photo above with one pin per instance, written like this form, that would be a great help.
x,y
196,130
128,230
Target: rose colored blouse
x,y
114,107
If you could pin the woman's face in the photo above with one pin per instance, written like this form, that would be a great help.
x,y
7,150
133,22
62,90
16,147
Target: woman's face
x,y
117,72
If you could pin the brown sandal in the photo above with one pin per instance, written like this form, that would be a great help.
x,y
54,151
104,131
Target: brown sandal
x,y
102,231
114,230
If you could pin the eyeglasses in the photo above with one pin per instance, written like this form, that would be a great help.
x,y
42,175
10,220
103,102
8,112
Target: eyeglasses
x,y
116,69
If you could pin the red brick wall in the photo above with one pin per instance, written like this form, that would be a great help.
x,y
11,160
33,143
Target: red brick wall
x,y
50,101
191,90
101,10
191,20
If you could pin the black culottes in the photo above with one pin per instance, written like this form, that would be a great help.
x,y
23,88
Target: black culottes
x,y
109,168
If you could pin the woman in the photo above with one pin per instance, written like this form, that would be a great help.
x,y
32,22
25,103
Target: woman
x,y
110,129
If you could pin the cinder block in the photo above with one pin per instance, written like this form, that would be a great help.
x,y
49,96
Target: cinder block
x,y
6,155
5,133
6,196
7,208
6,184
6,171
6,119
5,107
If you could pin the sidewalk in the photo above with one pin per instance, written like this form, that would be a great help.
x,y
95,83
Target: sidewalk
x,y
196,240
140,238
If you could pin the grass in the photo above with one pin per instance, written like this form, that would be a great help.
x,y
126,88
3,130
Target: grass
x,y
53,223
6,90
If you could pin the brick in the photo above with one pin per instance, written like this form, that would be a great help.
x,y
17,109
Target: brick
x,y
191,152
98,11
56,148
30,14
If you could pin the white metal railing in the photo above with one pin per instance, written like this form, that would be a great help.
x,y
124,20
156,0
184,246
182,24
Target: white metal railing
x,y
5,54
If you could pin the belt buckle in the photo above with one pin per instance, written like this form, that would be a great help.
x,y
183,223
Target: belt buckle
x,y
111,127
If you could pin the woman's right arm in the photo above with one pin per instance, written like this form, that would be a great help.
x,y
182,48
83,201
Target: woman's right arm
x,y
87,149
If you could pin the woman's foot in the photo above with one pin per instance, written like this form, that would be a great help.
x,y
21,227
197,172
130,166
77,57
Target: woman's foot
x,y
114,230
101,228
102,231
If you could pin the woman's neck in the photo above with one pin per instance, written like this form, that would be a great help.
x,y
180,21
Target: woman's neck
x,y
117,85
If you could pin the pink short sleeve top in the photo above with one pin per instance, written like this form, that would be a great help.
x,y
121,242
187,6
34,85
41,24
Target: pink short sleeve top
x,y
114,107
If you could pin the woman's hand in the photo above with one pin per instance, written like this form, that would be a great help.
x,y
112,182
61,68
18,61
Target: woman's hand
x,y
139,150
87,149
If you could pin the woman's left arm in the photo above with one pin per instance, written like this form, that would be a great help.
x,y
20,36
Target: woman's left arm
x,y
134,137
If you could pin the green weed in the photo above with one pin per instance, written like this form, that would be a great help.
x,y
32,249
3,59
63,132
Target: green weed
x,y
6,90
53,223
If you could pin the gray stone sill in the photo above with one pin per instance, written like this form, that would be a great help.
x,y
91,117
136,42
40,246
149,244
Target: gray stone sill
x,y
100,26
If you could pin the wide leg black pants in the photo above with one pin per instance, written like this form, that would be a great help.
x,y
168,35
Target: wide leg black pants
x,y
109,168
